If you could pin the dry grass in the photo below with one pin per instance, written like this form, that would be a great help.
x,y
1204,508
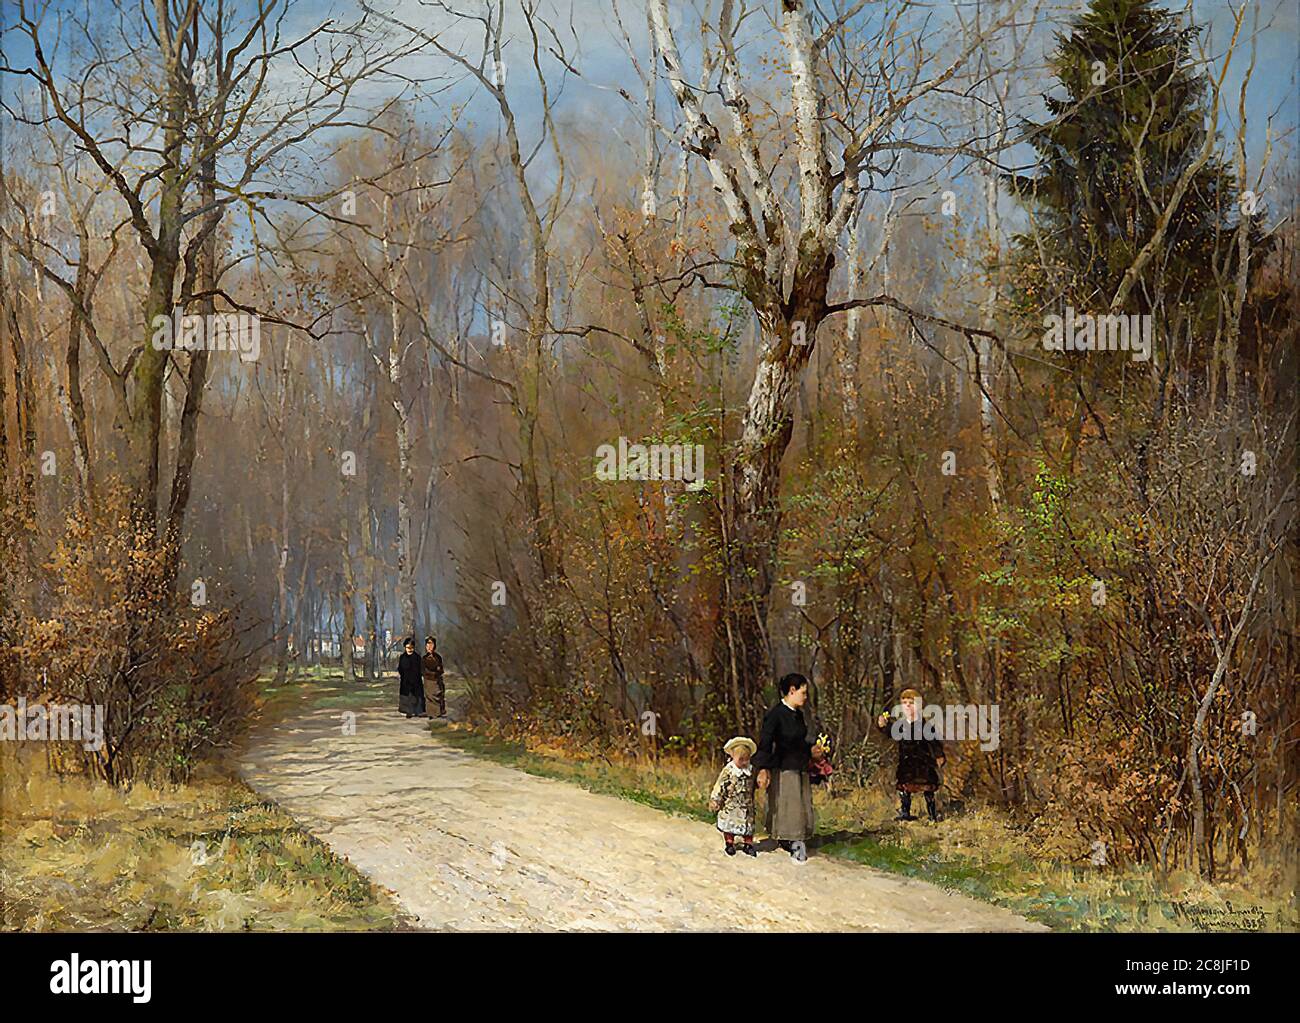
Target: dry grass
x,y
208,856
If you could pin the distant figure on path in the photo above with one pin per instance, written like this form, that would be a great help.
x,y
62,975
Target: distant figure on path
x,y
432,665
784,753
410,700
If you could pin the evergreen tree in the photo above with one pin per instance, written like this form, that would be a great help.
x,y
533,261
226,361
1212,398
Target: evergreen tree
x,y
1133,112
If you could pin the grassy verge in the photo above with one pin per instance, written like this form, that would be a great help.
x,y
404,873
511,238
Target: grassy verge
x,y
210,855
976,853
76,854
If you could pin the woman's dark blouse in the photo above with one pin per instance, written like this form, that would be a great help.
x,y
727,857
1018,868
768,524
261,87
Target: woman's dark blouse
x,y
783,743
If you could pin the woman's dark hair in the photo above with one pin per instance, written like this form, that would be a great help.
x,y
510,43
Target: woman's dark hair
x,y
409,641
791,681
430,639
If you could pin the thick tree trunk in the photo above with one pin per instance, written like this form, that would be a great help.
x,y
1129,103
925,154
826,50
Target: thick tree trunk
x,y
70,395
405,485
984,348
755,506
187,440
405,473
851,339
24,427
144,421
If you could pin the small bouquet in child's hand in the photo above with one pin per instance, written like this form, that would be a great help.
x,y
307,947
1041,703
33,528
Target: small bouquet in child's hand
x,y
819,768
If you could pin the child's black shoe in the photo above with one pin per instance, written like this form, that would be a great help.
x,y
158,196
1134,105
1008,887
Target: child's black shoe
x,y
731,850
749,850
901,816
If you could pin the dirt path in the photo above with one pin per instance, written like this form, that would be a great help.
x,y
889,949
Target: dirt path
x,y
470,845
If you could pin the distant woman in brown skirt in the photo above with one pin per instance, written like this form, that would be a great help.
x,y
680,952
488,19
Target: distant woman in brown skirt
x,y
784,752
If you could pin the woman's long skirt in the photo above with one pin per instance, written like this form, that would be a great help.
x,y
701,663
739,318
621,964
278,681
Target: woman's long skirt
x,y
789,806
410,703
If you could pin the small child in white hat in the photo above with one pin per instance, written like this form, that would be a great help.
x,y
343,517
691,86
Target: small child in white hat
x,y
732,798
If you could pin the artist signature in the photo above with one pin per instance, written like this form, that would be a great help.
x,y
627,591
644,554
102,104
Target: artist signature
x,y
1226,917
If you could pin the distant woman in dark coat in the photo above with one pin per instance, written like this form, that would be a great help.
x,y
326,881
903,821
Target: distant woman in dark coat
x,y
784,751
410,700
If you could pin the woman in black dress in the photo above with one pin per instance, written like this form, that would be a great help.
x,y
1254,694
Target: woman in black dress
x,y
784,751
410,699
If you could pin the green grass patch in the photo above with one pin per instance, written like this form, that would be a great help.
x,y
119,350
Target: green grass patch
x,y
319,687
650,788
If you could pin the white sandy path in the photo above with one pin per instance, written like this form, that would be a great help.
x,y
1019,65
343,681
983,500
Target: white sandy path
x,y
466,844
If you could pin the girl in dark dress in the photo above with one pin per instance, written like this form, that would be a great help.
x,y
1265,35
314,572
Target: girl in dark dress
x,y
919,758
410,699
784,752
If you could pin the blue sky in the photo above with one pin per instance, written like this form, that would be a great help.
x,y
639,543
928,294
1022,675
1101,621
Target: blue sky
x,y
600,55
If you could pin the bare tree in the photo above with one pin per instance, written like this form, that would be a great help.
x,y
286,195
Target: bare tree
x,y
783,267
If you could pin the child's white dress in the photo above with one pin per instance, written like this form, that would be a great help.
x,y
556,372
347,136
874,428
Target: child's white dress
x,y
734,794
